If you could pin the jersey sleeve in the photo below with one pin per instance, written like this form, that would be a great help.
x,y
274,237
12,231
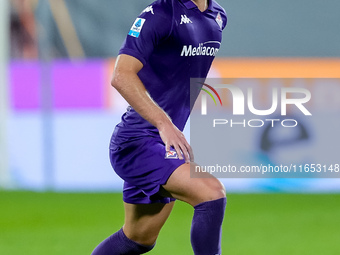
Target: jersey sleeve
x,y
152,26
223,14
225,19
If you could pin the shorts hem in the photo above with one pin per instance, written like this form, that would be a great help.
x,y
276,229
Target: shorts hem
x,y
167,175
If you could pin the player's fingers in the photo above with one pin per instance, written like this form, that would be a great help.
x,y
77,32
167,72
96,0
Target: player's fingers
x,y
178,151
185,153
167,146
186,149
191,154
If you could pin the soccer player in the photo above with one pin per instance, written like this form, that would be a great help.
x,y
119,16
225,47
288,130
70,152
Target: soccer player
x,y
170,42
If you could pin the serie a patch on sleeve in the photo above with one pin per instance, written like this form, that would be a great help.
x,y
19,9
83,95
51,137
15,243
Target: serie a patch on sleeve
x,y
137,27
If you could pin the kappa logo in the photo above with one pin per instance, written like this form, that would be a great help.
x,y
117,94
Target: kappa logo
x,y
148,9
185,20
171,155
137,27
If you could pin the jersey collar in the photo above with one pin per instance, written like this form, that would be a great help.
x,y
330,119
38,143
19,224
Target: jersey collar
x,y
190,5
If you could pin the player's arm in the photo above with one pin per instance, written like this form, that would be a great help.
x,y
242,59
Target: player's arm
x,y
128,84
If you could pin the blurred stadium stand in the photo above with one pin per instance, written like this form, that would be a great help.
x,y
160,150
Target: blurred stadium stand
x,y
306,28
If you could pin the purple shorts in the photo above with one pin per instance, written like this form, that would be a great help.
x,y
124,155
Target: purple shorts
x,y
144,166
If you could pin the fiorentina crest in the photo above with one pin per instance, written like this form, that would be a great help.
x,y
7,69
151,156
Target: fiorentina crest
x,y
171,155
219,20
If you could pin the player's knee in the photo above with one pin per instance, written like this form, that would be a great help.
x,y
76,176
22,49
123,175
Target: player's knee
x,y
215,190
219,190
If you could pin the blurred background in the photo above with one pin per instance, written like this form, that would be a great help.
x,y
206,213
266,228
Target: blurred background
x,y
58,110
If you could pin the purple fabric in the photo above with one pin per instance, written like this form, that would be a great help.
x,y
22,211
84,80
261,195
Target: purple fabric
x,y
119,244
141,163
206,228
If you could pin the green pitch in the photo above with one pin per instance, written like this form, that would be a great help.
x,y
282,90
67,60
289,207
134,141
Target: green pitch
x,y
260,224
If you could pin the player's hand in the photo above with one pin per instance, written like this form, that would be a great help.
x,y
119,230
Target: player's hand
x,y
173,137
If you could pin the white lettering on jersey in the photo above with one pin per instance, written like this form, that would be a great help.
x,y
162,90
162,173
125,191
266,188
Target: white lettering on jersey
x,y
185,20
201,50
148,9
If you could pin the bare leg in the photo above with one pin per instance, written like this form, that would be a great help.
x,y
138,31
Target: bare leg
x,y
143,222
193,190
139,233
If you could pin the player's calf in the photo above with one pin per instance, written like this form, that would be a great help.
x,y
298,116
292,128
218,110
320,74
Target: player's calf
x,y
206,227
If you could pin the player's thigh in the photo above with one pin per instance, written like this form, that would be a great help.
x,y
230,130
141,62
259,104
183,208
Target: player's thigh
x,y
144,221
193,190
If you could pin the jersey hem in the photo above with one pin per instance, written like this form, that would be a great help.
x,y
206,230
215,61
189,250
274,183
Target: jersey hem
x,y
134,54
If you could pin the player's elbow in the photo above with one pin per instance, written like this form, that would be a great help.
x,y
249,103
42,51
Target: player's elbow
x,y
117,79
114,81
125,72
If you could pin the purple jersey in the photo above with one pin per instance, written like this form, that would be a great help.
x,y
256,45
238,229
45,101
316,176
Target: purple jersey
x,y
175,41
